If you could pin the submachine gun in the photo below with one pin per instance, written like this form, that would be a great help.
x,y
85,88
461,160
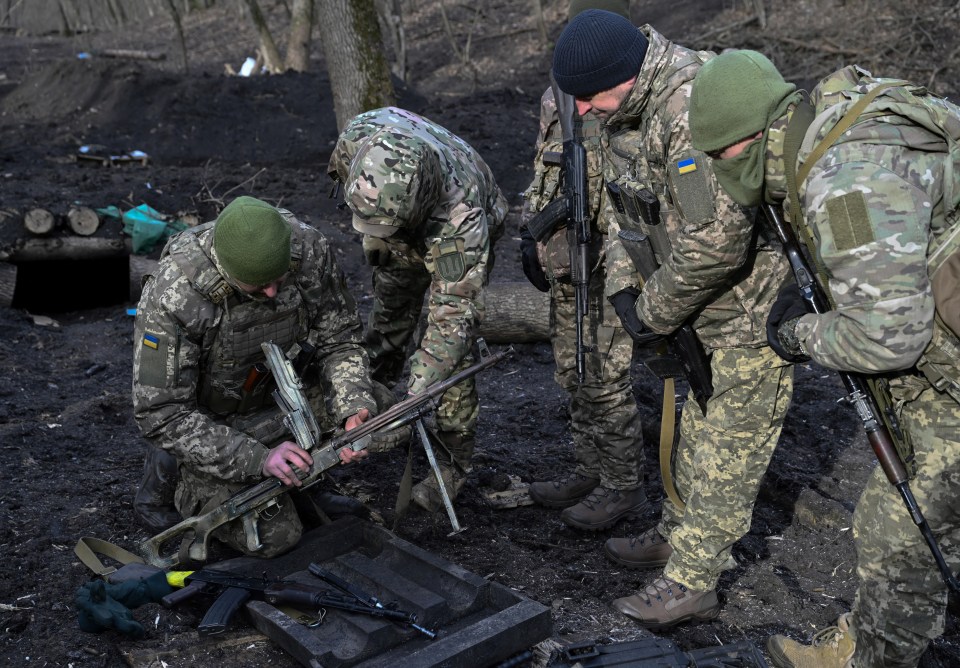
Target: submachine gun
x,y
863,394
247,504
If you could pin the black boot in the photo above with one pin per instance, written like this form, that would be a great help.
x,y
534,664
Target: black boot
x,y
154,499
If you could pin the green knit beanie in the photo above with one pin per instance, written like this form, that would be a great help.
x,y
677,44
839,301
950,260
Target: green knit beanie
x,y
735,95
252,241
621,7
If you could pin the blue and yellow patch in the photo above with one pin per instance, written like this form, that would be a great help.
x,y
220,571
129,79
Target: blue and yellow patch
x,y
686,166
151,341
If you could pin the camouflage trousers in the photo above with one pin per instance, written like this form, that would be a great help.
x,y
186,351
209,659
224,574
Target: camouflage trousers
x,y
901,601
398,291
720,461
604,420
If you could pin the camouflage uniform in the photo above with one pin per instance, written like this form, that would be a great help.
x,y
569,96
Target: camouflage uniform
x,y
197,335
722,276
875,202
604,420
449,212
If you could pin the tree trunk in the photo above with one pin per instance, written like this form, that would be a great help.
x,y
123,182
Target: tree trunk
x,y
83,220
515,313
268,48
353,49
39,221
391,14
301,25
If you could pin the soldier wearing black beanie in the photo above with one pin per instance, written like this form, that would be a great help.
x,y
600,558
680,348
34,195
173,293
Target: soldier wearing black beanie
x,y
597,51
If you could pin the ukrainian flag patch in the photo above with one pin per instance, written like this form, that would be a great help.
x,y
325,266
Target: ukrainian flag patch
x,y
151,341
686,166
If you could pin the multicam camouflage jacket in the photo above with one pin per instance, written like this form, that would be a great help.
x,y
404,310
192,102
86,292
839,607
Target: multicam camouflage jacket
x,y
721,274
554,252
403,170
197,336
877,202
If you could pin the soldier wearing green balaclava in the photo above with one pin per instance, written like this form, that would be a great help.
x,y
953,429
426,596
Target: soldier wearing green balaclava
x,y
876,195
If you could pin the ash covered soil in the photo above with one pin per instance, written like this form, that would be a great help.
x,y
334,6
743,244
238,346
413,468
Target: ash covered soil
x,y
71,456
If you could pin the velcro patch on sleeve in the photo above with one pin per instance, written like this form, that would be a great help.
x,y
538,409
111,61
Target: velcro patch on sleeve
x,y
691,189
849,221
152,370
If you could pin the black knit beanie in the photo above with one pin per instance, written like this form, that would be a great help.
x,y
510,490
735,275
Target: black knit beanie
x,y
597,51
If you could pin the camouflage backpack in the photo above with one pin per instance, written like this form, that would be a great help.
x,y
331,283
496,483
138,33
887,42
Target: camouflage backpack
x,y
940,362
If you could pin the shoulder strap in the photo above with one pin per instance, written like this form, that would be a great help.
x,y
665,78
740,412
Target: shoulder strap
x,y
88,549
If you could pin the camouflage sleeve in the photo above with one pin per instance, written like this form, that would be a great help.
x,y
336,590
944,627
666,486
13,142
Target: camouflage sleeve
x,y
457,263
711,237
168,332
336,331
545,185
873,228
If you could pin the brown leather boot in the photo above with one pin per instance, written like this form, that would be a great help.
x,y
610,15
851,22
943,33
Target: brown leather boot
x,y
665,602
604,507
564,492
832,647
648,550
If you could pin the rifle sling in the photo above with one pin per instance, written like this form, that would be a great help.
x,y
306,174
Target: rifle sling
x,y
667,431
89,547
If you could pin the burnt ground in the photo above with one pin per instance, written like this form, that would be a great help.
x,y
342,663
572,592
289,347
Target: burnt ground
x,y
71,456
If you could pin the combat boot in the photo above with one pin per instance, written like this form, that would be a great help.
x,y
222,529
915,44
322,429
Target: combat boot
x,y
154,499
665,602
831,648
648,550
604,507
562,493
426,493
453,465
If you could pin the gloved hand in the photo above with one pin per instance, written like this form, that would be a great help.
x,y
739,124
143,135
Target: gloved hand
x,y
781,324
134,593
96,611
625,304
531,263
376,251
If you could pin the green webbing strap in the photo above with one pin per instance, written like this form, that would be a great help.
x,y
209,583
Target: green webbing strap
x,y
88,548
668,425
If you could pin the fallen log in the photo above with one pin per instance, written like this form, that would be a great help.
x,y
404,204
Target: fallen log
x,y
39,221
83,220
516,312
64,248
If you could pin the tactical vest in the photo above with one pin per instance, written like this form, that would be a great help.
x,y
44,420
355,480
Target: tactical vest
x,y
627,160
231,348
865,97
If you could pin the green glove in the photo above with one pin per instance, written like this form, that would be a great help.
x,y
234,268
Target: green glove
x,y
97,612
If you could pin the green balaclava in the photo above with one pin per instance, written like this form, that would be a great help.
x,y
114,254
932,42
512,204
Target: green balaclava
x,y
252,241
735,96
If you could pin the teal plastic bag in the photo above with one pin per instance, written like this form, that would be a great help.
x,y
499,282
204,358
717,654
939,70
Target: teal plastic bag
x,y
146,227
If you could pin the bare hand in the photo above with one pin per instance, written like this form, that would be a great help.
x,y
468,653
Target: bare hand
x,y
281,460
348,455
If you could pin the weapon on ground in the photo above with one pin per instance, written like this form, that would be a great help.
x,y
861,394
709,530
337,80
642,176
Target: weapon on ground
x,y
235,590
578,226
862,395
367,601
247,504
647,249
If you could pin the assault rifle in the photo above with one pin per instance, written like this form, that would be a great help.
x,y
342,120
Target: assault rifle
x,y
234,590
247,504
578,221
863,395
647,248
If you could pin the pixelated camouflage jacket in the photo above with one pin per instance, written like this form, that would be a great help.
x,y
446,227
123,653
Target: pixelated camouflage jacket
x,y
547,179
722,273
450,228
874,201
197,337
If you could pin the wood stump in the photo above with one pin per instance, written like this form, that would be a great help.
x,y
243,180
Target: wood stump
x,y
516,312
39,221
83,220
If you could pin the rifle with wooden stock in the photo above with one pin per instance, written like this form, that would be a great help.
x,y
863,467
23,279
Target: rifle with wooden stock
x,y
866,397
